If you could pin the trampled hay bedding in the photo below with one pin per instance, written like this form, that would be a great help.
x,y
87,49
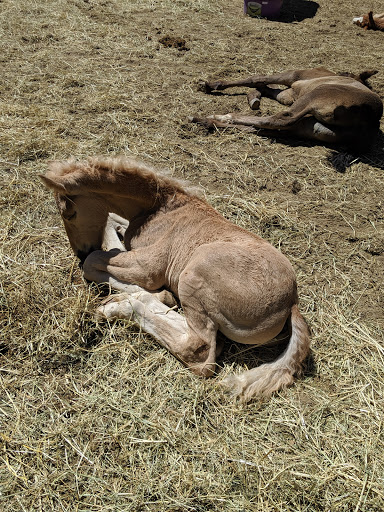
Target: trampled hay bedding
x,y
97,416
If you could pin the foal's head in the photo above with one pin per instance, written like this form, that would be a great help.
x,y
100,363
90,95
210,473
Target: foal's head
x,y
87,191
84,221
84,213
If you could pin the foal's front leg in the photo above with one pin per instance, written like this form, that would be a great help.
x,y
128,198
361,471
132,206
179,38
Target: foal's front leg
x,y
120,268
115,226
254,81
286,78
260,85
136,266
192,340
185,340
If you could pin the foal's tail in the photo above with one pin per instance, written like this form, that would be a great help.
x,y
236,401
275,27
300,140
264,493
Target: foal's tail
x,y
267,378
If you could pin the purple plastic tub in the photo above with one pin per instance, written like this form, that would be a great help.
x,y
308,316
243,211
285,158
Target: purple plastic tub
x,y
265,8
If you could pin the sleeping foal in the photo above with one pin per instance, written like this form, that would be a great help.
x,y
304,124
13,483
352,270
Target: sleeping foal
x,y
225,278
322,106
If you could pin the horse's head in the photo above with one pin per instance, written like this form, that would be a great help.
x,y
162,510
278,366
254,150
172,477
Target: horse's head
x,y
84,221
84,214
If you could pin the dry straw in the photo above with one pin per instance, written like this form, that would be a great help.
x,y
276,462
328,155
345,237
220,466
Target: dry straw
x,y
98,417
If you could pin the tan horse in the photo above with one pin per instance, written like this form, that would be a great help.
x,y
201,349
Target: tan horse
x,y
322,106
225,278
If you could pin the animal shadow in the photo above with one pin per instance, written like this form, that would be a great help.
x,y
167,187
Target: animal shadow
x,y
374,156
297,10
250,356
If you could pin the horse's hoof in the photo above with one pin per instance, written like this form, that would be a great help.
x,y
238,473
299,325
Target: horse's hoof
x,y
254,103
166,298
209,87
202,121
202,87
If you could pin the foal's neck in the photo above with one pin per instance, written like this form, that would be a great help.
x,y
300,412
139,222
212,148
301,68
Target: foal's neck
x,y
131,192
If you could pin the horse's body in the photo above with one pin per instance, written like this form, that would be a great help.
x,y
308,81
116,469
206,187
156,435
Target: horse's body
x,y
225,278
322,106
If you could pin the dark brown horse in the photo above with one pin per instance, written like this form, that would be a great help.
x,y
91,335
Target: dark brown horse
x,y
322,105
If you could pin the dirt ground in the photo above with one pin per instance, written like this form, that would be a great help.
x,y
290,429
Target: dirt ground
x,y
98,416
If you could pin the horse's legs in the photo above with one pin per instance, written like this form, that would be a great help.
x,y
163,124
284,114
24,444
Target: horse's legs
x,y
281,121
192,341
254,99
120,268
307,127
192,338
115,226
286,78
299,124
283,96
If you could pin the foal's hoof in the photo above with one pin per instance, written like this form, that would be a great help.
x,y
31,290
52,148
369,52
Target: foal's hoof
x,y
212,86
202,121
203,87
254,103
204,370
114,306
166,298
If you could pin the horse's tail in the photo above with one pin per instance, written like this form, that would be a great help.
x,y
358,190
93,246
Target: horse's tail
x,y
267,378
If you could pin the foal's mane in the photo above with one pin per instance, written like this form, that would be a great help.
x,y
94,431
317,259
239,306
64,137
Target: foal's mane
x,y
97,172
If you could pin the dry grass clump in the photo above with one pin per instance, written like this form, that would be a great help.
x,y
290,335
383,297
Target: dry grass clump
x,y
97,416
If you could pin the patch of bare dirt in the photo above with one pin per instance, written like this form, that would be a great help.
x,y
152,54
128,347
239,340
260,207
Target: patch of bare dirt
x,y
174,42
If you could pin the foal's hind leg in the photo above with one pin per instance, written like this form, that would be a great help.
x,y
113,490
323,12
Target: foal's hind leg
x,y
282,121
307,128
193,343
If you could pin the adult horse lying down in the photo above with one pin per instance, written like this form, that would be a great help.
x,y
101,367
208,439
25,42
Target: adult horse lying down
x,y
225,278
322,105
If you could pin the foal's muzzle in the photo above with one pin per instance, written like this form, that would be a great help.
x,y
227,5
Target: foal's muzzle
x,y
82,255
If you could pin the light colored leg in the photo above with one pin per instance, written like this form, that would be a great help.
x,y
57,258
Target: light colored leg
x,y
120,268
155,318
168,327
164,296
306,127
115,225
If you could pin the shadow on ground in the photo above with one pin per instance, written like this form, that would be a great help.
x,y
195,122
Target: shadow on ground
x,y
249,357
374,156
297,10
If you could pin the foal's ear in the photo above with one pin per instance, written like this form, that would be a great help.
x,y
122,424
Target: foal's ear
x,y
53,184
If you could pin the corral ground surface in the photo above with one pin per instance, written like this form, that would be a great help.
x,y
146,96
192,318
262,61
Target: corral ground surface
x,y
99,417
